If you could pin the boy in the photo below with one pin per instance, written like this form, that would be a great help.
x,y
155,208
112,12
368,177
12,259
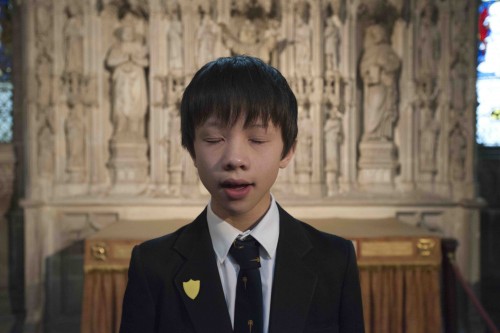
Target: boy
x,y
243,264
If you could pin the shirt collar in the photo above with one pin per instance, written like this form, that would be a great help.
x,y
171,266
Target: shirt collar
x,y
266,232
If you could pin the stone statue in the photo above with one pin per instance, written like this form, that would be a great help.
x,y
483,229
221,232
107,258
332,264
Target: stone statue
x,y
73,38
379,70
429,129
248,33
458,147
174,38
248,42
43,77
45,142
206,39
303,156
332,43
174,141
44,22
428,43
128,59
74,129
333,139
302,46
458,84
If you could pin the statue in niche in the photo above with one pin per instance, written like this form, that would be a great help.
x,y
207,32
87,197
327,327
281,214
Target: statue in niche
x,y
74,129
45,140
43,76
174,38
267,5
428,42
73,38
303,156
248,33
379,70
333,140
45,151
43,27
249,42
303,46
332,43
459,83
240,6
175,148
458,150
128,60
206,39
429,129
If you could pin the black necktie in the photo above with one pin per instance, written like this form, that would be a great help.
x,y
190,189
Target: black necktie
x,y
248,312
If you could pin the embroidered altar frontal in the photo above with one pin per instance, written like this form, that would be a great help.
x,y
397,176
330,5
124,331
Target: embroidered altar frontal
x,y
399,269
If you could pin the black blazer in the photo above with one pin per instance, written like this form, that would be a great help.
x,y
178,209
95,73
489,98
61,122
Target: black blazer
x,y
315,289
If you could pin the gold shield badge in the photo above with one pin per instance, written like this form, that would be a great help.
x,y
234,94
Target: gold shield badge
x,y
191,288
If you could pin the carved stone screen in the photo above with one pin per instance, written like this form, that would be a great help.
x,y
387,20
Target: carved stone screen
x,y
386,95
488,74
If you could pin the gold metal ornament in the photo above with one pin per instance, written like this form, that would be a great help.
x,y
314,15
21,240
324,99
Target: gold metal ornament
x,y
425,246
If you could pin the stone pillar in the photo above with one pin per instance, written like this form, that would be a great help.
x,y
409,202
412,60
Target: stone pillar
x,y
7,162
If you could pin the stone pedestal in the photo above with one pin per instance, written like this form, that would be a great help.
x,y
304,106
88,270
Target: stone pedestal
x,y
128,165
378,164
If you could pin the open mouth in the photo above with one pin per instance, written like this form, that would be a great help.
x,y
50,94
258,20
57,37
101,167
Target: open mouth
x,y
236,189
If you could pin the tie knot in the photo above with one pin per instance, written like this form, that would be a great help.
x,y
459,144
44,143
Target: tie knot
x,y
246,253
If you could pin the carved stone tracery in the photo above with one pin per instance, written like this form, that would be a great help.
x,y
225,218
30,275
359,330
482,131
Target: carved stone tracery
x,y
384,92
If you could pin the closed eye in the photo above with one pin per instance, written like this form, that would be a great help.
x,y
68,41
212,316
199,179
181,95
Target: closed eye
x,y
258,141
212,140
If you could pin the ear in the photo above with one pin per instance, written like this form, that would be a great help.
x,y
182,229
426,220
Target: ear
x,y
288,157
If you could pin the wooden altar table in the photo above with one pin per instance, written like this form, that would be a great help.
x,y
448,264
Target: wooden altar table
x,y
399,272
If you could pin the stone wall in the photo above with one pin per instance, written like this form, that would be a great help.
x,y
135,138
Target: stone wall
x,y
386,95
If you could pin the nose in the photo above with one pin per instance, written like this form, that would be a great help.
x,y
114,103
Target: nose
x,y
235,156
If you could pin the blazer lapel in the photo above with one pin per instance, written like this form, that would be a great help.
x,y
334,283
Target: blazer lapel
x,y
294,283
206,306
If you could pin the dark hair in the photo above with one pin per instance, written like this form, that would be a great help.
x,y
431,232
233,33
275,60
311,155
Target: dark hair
x,y
230,87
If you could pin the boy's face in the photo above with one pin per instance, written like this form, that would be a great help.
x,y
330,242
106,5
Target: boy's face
x,y
238,165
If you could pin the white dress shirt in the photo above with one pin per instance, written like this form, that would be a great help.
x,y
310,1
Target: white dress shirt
x,y
266,232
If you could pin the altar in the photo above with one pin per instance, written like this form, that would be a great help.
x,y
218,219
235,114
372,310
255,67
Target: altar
x,y
399,271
